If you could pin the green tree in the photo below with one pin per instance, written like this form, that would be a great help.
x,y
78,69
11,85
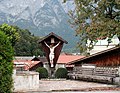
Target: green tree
x,y
23,42
27,44
95,19
11,33
6,65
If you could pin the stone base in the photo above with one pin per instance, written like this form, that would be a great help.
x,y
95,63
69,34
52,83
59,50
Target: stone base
x,y
51,72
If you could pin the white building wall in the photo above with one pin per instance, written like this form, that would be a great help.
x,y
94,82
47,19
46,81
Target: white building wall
x,y
102,45
26,81
60,66
46,65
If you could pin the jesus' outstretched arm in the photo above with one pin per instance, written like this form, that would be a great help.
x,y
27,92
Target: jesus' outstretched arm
x,y
57,44
46,44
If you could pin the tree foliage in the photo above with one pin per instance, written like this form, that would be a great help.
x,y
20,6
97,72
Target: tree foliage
x,y
6,65
61,73
27,44
43,73
11,33
95,19
23,42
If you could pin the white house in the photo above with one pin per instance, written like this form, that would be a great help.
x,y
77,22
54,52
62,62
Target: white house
x,y
103,45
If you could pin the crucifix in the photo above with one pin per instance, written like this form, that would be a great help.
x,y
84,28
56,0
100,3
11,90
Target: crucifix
x,y
52,48
52,45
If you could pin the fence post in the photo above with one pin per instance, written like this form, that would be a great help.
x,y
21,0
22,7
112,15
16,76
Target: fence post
x,y
117,79
119,71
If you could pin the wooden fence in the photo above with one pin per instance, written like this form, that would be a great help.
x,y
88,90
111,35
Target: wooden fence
x,y
99,74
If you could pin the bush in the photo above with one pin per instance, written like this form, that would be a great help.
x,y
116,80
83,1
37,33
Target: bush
x,y
43,73
61,73
6,65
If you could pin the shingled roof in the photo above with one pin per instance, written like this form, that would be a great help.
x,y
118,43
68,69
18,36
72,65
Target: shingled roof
x,y
52,34
95,55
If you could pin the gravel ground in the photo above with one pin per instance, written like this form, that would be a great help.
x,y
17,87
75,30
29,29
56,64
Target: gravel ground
x,y
81,92
72,86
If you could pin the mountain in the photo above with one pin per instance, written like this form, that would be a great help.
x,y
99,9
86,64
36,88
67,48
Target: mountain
x,y
39,16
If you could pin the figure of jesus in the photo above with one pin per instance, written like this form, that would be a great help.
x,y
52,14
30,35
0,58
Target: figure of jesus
x,y
51,55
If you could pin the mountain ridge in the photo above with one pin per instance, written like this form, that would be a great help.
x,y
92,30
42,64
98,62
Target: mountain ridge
x,y
40,17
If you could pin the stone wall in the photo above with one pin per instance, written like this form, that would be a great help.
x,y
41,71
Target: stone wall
x,y
25,81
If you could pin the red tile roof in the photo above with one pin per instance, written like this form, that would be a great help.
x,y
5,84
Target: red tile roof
x,y
64,58
27,63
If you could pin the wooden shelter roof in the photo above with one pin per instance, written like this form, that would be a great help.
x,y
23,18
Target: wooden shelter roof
x,y
108,51
52,34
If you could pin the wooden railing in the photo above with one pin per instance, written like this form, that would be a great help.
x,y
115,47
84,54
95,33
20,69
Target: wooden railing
x,y
106,71
101,74
99,71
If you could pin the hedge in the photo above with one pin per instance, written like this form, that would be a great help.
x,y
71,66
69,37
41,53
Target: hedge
x,y
61,73
6,65
43,73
